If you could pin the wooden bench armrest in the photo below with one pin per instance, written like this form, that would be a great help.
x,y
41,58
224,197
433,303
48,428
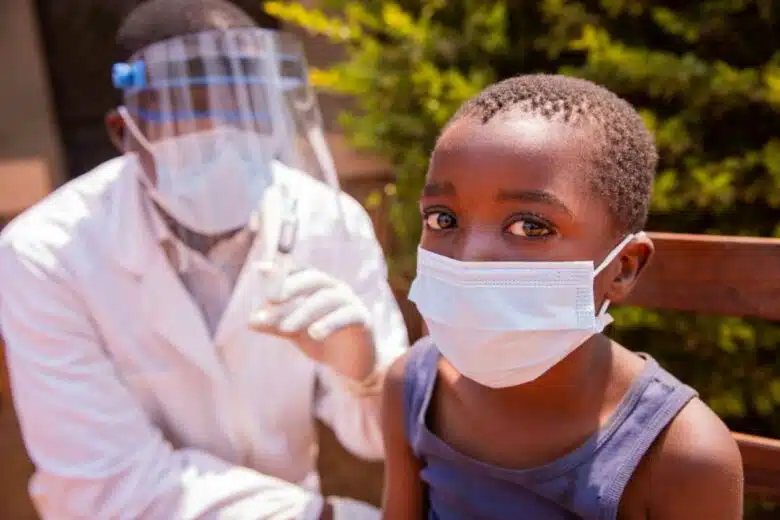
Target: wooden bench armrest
x,y
761,460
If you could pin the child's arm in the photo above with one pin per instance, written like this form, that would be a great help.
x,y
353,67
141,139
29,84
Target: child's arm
x,y
696,473
403,494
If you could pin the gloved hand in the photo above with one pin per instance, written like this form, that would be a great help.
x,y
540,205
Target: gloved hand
x,y
321,314
350,509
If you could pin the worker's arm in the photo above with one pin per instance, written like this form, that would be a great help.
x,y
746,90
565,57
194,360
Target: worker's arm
x,y
96,453
360,262
339,310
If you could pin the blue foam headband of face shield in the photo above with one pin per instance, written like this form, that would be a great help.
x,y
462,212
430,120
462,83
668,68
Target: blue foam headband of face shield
x,y
129,75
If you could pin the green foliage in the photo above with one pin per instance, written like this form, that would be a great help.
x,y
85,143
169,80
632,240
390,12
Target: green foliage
x,y
706,78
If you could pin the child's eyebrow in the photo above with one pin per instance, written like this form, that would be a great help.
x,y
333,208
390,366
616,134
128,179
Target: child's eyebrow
x,y
437,189
541,196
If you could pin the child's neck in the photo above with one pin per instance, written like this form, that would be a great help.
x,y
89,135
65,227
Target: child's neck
x,y
570,385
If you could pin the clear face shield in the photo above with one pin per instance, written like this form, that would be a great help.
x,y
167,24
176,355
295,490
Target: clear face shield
x,y
214,110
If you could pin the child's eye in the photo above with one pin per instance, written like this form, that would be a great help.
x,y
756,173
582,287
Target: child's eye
x,y
439,220
530,228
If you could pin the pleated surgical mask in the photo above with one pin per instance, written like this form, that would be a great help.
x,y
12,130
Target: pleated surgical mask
x,y
504,324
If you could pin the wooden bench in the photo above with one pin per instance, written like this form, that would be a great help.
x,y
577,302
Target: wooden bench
x,y
733,276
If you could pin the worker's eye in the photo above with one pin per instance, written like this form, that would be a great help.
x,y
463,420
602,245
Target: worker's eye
x,y
439,220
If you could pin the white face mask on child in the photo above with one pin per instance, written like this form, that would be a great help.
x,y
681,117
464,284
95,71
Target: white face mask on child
x,y
504,324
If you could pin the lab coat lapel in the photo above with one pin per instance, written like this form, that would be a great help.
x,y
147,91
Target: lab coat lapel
x,y
171,312
249,292
176,318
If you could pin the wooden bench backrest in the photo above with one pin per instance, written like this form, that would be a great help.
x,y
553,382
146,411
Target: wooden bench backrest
x,y
733,276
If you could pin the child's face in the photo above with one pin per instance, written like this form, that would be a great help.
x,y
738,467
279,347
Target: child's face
x,y
518,189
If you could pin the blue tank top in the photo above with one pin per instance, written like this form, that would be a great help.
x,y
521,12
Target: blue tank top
x,y
585,484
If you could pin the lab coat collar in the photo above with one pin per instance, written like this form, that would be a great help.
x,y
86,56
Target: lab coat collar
x,y
128,222
180,254
137,230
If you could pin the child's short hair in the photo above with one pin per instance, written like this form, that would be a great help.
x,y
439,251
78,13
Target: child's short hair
x,y
158,20
624,170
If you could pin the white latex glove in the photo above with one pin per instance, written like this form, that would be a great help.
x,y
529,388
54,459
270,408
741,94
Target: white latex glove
x,y
349,509
321,314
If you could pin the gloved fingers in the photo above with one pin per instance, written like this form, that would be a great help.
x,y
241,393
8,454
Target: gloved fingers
x,y
303,283
272,270
311,309
338,319
270,316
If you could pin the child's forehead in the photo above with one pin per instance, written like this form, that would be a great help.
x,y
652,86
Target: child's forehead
x,y
522,144
487,165
523,132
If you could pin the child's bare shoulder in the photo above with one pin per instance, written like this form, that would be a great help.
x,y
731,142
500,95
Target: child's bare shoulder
x,y
697,439
696,467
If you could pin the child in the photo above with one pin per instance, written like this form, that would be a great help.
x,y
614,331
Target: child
x,y
516,406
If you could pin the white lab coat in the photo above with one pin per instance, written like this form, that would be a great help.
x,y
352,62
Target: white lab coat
x,y
127,406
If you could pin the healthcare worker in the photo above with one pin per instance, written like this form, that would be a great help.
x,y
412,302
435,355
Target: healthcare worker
x,y
176,318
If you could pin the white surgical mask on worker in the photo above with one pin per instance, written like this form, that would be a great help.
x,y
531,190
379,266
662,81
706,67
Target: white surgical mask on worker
x,y
217,185
504,324
214,110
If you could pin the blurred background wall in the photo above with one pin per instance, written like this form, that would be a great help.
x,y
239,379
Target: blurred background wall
x,y
30,145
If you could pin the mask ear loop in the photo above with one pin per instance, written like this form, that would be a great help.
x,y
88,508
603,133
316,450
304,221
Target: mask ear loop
x,y
142,140
137,134
608,260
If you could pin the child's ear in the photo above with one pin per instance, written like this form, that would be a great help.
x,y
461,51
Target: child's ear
x,y
632,260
